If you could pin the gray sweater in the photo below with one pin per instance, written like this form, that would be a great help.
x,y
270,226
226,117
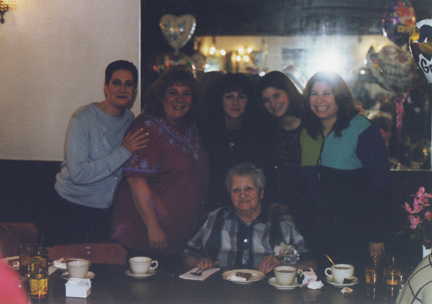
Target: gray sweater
x,y
93,157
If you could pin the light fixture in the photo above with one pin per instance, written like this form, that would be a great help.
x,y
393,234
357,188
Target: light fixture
x,y
3,9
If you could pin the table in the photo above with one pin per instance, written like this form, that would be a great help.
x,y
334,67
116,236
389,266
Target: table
x,y
111,285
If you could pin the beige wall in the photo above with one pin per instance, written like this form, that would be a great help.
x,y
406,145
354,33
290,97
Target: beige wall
x,y
53,54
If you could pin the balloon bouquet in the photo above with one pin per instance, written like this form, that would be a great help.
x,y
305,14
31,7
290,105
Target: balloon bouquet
x,y
177,31
392,67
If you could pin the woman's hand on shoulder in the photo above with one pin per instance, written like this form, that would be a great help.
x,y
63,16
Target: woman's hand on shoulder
x,y
135,141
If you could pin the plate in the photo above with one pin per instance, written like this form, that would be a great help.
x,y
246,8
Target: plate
x,y
140,276
256,275
9,260
273,282
66,276
332,282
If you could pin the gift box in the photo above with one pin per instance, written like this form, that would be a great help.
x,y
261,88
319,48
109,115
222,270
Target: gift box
x,y
78,288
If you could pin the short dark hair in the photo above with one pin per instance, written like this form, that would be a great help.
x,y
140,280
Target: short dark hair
x,y
121,65
343,98
246,169
281,81
174,75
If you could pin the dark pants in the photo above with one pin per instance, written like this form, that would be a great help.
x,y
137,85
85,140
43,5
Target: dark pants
x,y
75,224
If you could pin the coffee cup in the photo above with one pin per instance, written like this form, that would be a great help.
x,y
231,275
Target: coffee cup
x,y
142,265
339,272
285,275
78,268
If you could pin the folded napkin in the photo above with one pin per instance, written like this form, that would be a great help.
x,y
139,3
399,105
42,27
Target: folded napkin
x,y
60,264
204,275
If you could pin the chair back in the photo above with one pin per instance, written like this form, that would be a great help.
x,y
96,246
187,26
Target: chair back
x,y
99,253
14,234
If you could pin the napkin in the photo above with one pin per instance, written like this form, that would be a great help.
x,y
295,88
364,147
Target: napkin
x,y
204,275
309,277
60,264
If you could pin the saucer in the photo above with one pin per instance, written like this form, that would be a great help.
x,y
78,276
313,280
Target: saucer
x,y
273,282
140,276
341,285
66,276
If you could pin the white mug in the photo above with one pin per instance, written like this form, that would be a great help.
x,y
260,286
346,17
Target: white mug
x,y
339,272
285,275
142,265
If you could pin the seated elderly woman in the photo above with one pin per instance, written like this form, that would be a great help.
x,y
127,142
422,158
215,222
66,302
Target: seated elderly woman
x,y
244,235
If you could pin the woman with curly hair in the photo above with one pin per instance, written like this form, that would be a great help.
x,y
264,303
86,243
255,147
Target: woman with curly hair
x,y
160,201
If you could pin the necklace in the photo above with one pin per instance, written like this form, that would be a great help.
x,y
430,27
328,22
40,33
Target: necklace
x,y
233,134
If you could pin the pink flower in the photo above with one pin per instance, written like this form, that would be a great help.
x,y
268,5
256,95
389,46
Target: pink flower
x,y
417,207
420,192
407,207
414,220
428,215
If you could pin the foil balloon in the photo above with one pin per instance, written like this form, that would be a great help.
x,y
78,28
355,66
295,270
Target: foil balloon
x,y
420,44
398,20
177,30
164,62
394,69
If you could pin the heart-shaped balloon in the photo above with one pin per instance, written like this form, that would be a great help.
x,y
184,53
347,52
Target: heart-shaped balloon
x,y
420,43
177,30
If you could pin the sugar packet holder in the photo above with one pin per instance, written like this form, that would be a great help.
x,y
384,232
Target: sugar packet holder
x,y
78,288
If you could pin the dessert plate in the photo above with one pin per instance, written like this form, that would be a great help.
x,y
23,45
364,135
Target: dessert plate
x,y
273,282
256,275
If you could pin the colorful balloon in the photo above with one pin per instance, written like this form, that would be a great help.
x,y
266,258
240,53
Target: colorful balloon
x,y
394,69
420,44
398,20
177,30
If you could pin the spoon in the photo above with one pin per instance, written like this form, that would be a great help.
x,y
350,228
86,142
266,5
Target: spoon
x,y
330,260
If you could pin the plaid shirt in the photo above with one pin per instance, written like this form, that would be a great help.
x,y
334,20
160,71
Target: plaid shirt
x,y
418,287
226,238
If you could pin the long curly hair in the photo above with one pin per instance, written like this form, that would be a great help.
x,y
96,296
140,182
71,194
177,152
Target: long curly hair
x,y
343,98
175,75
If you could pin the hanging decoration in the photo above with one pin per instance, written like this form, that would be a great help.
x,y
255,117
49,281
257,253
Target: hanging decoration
x,y
420,45
165,61
177,30
398,20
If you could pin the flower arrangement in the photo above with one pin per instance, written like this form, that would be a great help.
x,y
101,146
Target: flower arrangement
x,y
287,254
420,217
